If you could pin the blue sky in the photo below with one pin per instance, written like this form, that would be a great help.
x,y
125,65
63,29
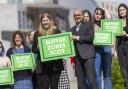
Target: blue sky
x,y
126,1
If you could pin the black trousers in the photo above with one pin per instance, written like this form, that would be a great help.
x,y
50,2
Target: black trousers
x,y
48,80
85,69
34,80
122,53
5,86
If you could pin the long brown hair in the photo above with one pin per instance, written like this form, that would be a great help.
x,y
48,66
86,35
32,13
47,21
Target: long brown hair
x,y
41,31
125,6
14,36
89,13
29,33
102,13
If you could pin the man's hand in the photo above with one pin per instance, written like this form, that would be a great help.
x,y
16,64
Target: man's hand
x,y
74,37
115,55
124,33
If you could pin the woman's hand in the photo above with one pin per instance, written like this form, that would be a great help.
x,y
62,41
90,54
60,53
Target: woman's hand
x,y
74,37
123,33
115,55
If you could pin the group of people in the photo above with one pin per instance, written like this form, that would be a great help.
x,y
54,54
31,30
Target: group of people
x,y
45,75
92,62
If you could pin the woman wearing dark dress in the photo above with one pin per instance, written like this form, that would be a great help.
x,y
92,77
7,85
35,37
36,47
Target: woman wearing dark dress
x,y
48,73
23,78
122,44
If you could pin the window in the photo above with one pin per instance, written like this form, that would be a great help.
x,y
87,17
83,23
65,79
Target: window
x,y
19,1
24,21
11,1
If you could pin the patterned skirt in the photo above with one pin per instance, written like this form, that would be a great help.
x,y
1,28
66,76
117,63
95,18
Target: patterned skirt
x,y
64,79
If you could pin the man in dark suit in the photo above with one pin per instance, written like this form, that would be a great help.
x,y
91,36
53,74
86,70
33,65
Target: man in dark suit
x,y
83,34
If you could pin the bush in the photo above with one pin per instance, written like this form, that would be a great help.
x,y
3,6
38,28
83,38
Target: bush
x,y
117,81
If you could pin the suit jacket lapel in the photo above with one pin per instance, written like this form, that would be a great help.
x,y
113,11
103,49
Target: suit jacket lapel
x,y
80,29
74,31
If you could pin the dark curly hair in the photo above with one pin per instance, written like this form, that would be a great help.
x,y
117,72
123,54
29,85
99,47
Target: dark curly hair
x,y
14,36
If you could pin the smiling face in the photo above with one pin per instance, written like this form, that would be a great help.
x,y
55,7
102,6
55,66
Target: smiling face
x,y
46,22
78,16
18,40
122,11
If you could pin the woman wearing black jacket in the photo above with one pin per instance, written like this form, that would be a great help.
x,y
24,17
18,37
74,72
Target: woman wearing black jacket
x,y
122,43
48,73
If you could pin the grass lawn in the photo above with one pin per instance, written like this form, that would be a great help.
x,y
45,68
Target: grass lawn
x,y
117,81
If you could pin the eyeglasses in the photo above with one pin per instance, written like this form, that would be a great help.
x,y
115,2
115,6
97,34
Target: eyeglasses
x,y
77,15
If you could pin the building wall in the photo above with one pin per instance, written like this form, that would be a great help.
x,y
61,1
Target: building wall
x,y
13,16
111,5
8,17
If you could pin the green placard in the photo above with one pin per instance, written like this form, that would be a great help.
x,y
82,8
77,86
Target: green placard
x,y
103,38
6,76
22,61
114,26
56,46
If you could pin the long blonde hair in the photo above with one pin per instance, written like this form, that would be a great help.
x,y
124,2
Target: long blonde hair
x,y
41,31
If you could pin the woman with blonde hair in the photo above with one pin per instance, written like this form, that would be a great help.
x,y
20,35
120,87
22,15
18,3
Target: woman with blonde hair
x,y
48,73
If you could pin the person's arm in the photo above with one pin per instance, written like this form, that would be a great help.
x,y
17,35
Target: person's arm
x,y
9,52
115,48
8,62
27,49
57,31
89,35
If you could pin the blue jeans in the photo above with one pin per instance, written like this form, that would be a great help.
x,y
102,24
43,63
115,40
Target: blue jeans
x,y
103,64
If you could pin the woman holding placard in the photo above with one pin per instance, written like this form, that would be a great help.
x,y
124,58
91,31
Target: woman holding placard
x,y
103,58
64,79
122,44
23,78
48,73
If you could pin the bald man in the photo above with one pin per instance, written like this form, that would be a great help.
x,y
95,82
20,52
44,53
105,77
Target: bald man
x,y
83,34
